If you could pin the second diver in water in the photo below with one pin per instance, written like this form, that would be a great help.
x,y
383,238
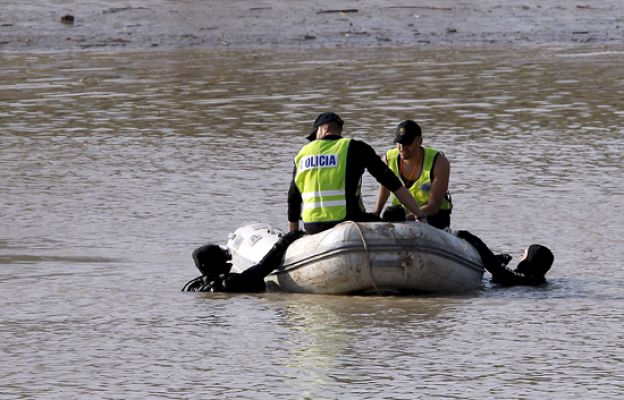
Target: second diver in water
x,y
214,263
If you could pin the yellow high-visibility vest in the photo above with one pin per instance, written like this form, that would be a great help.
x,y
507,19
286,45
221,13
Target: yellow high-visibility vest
x,y
421,188
321,178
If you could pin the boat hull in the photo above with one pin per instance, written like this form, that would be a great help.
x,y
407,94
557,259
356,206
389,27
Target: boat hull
x,y
376,258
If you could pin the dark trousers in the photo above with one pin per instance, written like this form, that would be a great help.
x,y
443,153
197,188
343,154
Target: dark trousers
x,y
440,220
316,227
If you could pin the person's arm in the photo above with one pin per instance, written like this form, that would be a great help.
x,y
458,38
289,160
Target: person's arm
x,y
252,279
272,259
293,226
504,276
294,205
382,197
406,198
439,185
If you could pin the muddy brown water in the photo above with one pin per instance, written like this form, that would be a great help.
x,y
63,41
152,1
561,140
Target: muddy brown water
x,y
116,165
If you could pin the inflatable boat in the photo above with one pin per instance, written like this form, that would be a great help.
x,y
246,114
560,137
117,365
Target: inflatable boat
x,y
364,258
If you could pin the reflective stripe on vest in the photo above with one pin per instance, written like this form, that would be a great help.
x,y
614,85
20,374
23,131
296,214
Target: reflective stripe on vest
x,y
421,188
320,177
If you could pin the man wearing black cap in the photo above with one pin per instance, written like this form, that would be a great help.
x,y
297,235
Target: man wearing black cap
x,y
326,185
424,172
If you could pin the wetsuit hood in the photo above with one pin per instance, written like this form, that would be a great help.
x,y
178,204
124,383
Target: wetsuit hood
x,y
537,262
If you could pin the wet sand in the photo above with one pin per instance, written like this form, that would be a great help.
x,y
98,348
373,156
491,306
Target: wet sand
x,y
306,25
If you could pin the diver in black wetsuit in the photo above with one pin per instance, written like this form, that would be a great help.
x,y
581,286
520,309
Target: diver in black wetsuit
x,y
530,271
213,262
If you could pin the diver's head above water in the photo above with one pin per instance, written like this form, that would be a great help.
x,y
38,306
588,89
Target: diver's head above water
x,y
536,261
212,260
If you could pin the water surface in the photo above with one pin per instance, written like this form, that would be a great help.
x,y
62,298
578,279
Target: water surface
x,y
115,166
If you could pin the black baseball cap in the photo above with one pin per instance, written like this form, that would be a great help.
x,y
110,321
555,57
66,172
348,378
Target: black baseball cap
x,y
324,119
406,132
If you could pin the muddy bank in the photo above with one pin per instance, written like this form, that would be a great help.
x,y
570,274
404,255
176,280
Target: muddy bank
x,y
272,24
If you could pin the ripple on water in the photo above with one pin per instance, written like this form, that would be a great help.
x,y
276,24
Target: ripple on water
x,y
115,166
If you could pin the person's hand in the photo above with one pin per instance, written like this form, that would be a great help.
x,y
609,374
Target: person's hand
x,y
412,217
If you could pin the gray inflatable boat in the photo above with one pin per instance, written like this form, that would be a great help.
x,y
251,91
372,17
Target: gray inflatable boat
x,y
364,258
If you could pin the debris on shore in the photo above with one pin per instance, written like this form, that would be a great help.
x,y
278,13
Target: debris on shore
x,y
67,19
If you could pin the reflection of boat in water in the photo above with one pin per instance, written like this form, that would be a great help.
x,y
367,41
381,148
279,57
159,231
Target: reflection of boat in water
x,y
375,257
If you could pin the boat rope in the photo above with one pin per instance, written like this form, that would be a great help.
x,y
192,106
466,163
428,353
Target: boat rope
x,y
370,266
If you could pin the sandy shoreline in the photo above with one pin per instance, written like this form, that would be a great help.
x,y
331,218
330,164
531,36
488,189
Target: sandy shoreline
x,y
273,24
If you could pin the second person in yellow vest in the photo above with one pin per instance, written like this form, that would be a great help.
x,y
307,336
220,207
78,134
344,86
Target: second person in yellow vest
x,y
425,173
